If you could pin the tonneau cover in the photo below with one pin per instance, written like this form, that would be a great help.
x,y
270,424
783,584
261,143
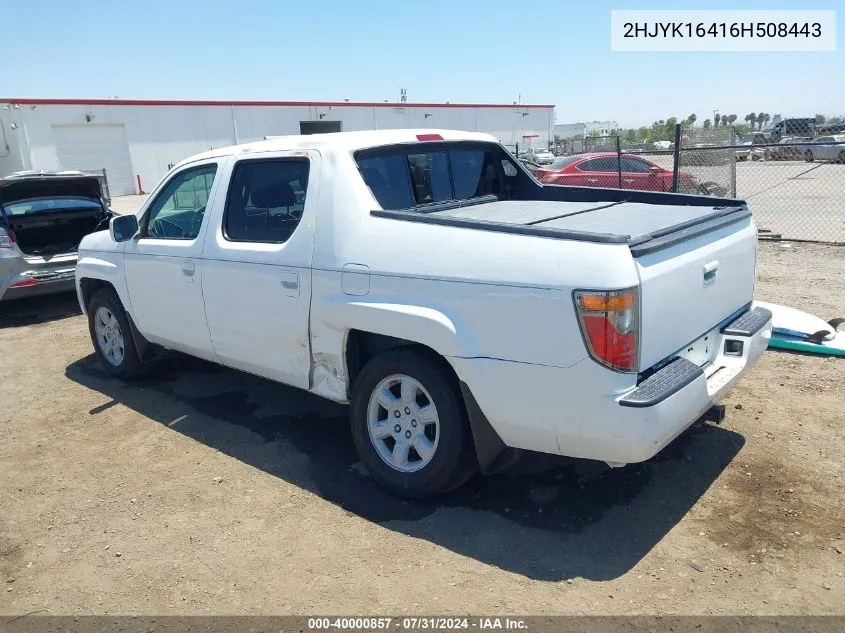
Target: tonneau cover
x,y
634,219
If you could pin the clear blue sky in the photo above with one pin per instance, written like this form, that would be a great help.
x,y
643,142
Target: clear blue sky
x,y
555,52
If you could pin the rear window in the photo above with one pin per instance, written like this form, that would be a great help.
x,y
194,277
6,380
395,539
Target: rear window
x,y
49,205
408,176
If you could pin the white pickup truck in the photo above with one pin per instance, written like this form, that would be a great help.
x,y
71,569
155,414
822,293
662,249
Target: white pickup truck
x,y
467,312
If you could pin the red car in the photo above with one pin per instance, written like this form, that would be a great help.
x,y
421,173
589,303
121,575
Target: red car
x,y
601,169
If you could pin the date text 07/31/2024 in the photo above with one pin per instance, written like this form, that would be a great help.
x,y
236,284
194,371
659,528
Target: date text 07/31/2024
x,y
416,623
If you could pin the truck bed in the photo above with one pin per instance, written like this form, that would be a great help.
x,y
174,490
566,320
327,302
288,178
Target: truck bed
x,y
645,227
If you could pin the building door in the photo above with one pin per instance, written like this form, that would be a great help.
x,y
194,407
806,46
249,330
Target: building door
x,y
320,127
97,147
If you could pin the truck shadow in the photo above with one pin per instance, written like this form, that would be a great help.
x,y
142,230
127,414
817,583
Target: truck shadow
x,y
547,518
35,310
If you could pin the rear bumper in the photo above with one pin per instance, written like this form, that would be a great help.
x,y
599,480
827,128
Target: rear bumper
x,y
588,411
33,283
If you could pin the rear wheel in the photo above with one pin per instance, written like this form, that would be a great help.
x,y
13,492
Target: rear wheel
x,y
110,333
409,424
711,188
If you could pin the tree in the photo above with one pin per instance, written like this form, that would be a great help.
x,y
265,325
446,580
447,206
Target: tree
x,y
706,123
731,118
752,119
643,133
691,119
716,121
724,119
820,119
631,135
766,117
835,121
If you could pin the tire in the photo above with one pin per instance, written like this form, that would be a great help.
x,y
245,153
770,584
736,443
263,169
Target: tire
x,y
111,335
808,156
711,188
451,461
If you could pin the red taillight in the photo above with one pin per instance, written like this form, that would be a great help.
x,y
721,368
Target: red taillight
x,y
609,323
6,240
26,282
429,137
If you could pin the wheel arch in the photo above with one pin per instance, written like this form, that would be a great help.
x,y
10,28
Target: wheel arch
x,y
491,453
87,287
373,327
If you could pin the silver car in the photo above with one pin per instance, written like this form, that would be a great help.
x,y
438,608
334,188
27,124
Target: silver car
x,y
43,217
826,148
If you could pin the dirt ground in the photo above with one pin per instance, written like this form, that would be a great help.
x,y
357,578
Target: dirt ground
x,y
204,490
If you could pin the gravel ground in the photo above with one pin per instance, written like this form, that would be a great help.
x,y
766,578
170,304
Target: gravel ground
x,y
204,490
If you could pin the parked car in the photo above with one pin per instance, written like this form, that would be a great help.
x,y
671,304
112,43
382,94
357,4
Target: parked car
x,y
747,148
788,148
467,312
537,156
826,148
43,217
601,169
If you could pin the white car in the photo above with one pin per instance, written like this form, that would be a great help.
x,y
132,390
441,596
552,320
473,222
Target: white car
x,y
538,156
466,312
747,151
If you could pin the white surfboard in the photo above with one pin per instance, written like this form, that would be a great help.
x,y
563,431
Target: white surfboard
x,y
797,323
797,330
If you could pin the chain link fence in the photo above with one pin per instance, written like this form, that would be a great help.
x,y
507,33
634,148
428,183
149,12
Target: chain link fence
x,y
792,179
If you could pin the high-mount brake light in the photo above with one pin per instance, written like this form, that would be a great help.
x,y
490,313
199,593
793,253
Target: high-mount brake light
x,y
429,137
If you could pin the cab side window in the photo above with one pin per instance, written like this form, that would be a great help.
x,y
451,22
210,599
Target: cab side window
x,y
178,211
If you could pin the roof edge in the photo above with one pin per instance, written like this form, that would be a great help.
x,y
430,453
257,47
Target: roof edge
x,y
199,102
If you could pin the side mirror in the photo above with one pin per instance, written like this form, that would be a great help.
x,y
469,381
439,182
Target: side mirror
x,y
123,228
654,169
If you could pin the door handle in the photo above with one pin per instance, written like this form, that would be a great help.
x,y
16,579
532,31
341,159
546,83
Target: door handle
x,y
710,270
188,269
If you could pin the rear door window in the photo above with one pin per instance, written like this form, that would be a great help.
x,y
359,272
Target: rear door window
x,y
634,166
266,200
604,164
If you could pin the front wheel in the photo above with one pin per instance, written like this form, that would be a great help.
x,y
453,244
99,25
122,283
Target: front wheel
x,y
409,424
110,333
808,156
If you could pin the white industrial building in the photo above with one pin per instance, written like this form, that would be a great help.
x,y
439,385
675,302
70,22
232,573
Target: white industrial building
x,y
137,141
582,130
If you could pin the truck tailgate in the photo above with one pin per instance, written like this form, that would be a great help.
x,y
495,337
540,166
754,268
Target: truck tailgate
x,y
691,287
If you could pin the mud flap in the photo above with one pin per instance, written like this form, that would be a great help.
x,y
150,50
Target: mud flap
x,y
147,352
492,453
